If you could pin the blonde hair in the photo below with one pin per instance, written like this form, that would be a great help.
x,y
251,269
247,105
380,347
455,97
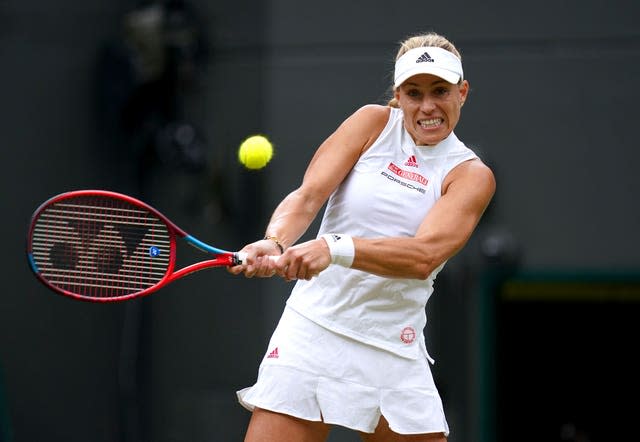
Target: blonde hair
x,y
421,40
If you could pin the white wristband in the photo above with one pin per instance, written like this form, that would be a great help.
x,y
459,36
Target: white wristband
x,y
341,248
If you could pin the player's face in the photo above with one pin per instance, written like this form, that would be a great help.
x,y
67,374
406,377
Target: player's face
x,y
431,107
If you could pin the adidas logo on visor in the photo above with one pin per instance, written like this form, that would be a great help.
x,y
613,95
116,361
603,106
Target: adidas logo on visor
x,y
428,60
425,58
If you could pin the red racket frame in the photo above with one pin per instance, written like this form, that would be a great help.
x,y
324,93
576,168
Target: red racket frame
x,y
222,258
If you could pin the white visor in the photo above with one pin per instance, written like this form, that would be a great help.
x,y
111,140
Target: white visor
x,y
428,60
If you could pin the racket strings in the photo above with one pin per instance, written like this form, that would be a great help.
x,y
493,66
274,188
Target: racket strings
x,y
100,247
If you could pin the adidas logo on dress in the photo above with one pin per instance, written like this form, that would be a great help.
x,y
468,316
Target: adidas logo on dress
x,y
411,161
273,354
425,58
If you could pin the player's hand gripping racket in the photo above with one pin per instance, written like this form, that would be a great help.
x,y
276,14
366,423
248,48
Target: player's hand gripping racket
x,y
103,246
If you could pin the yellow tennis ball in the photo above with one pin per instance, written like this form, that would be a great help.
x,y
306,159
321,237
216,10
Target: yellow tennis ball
x,y
255,152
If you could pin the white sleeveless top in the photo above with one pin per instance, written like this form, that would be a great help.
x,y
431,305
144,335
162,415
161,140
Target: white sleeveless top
x,y
388,193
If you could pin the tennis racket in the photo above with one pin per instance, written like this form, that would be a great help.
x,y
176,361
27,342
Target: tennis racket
x,y
103,246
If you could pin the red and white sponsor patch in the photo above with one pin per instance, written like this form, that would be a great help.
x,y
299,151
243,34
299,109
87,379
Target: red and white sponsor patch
x,y
407,175
408,335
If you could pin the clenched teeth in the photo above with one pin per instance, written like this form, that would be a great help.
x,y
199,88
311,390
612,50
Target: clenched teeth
x,y
431,122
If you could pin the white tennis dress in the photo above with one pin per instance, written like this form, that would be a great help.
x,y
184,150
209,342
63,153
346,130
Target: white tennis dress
x,y
350,345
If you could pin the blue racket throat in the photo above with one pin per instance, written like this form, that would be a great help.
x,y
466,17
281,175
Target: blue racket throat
x,y
203,246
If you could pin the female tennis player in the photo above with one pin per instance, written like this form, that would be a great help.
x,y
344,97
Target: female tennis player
x,y
403,195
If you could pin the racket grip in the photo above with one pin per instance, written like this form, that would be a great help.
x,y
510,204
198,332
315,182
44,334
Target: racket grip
x,y
240,258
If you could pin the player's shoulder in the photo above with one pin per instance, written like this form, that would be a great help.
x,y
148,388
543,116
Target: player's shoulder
x,y
369,119
376,112
475,173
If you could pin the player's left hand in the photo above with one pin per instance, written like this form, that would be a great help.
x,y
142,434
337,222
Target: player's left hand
x,y
304,260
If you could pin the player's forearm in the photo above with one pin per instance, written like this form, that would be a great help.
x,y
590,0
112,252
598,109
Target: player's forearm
x,y
403,257
292,217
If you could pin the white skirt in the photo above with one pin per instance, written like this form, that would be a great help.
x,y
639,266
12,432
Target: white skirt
x,y
312,373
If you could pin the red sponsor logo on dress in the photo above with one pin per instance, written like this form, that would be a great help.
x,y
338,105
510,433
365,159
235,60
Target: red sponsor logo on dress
x,y
408,335
408,175
274,354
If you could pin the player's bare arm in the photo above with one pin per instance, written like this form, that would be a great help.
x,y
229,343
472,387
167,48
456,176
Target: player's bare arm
x,y
467,191
331,163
